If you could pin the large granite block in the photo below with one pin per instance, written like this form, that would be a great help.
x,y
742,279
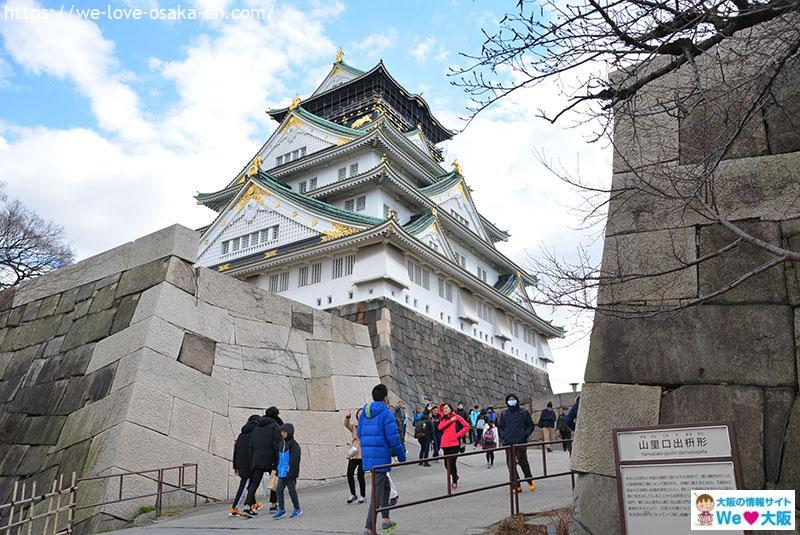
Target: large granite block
x,y
175,240
320,394
742,405
197,352
88,329
242,298
718,272
184,310
259,390
742,344
191,424
152,332
777,408
348,359
222,436
596,504
605,407
151,408
347,392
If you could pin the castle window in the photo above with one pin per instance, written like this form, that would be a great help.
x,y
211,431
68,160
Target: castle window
x,y
343,266
482,275
302,276
342,173
279,160
279,282
235,244
445,290
419,275
312,184
316,273
354,169
356,204
225,246
461,219
302,187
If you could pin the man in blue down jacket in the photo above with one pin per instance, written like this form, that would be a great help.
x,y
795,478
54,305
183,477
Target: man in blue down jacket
x,y
379,437
515,426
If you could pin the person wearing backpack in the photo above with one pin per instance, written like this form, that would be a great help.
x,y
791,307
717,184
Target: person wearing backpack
x,y
480,425
489,441
288,471
423,432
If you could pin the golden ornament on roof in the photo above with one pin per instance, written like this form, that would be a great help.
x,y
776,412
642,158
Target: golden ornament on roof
x,y
295,102
254,167
361,122
339,55
457,167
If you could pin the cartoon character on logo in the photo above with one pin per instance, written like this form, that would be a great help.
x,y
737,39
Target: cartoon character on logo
x,y
704,504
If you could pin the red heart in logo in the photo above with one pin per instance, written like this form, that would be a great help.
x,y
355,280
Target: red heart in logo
x,y
751,516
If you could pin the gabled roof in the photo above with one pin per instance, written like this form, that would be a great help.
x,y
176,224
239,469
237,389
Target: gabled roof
x,y
339,67
441,132
419,224
506,284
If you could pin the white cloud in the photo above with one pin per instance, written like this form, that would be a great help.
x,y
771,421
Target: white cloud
x,y
429,49
375,44
70,48
112,188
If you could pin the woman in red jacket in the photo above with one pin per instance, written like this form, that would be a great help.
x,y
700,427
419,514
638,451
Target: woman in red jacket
x,y
453,427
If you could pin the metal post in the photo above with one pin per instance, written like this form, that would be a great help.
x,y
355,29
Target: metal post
x,y
373,503
449,476
58,502
30,509
73,501
159,489
572,477
544,459
196,483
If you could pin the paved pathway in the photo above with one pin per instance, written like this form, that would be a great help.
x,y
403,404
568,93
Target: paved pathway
x,y
325,510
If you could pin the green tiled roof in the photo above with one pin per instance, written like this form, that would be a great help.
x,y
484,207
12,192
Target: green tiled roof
x,y
419,223
320,207
444,183
506,284
328,124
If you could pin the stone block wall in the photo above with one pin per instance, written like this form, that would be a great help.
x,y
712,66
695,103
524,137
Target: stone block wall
x,y
133,360
421,360
732,358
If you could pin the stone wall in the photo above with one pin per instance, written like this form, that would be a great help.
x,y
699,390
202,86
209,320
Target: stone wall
x,y
731,358
420,359
133,360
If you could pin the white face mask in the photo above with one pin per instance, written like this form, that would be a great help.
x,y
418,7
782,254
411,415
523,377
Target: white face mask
x,y
512,402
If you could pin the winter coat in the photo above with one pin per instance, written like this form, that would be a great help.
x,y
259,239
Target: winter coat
x,y
491,416
572,417
400,418
487,433
241,450
547,418
515,426
377,431
352,427
264,442
425,425
561,425
289,453
473,417
452,429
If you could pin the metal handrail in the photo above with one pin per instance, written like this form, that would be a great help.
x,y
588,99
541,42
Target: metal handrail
x,y
160,484
512,482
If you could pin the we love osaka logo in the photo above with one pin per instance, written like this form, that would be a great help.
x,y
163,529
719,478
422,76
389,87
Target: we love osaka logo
x,y
743,509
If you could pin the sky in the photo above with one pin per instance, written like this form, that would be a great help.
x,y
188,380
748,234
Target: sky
x,y
114,114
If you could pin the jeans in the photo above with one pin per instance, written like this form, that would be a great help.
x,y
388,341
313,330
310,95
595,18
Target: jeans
x,y
566,445
478,436
424,448
287,483
521,455
490,457
255,481
451,464
436,439
356,466
382,489
243,479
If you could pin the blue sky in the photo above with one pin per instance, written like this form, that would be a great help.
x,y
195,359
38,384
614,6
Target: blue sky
x,y
109,127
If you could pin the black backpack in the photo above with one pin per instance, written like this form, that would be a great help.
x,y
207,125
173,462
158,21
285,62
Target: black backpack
x,y
421,430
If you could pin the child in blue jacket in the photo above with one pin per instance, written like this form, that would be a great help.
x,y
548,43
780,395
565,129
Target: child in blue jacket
x,y
288,472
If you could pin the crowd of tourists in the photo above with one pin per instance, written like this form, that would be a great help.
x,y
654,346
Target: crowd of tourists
x,y
267,454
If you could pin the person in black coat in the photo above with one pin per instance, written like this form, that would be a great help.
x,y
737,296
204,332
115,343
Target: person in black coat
x,y
273,413
547,421
515,426
264,442
241,462
423,432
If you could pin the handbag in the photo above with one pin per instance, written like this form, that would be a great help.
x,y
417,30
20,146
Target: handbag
x,y
273,480
353,450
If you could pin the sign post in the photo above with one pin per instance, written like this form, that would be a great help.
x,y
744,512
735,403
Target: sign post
x,y
657,468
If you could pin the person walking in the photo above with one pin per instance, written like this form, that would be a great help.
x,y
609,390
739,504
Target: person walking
x,y
515,426
461,411
437,435
572,417
564,430
288,471
473,423
491,416
241,462
489,441
453,427
264,441
355,464
379,437
480,425
417,416
401,417
423,432
273,413
547,421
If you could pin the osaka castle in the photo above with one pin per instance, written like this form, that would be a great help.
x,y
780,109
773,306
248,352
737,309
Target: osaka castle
x,y
348,201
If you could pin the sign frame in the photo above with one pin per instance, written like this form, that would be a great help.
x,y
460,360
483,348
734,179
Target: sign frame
x,y
732,458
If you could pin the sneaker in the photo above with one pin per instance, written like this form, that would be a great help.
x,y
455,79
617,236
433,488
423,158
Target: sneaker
x,y
549,450
388,526
296,513
361,499
233,511
488,465
351,499
454,486
427,465
249,512
256,506
273,507
393,501
516,490
532,486
280,513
